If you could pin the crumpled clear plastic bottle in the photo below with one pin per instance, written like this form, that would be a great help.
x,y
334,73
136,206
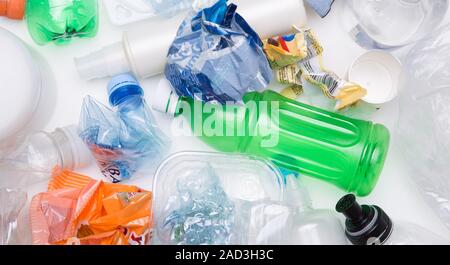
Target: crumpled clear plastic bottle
x,y
394,23
424,124
124,140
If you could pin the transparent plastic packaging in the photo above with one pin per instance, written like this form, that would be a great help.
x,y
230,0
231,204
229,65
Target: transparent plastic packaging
x,y
124,139
241,190
393,23
33,158
217,56
14,228
309,226
424,123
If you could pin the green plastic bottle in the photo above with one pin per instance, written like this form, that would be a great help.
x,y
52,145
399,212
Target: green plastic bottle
x,y
61,20
346,152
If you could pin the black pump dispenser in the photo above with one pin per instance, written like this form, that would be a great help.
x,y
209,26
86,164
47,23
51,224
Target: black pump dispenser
x,y
365,225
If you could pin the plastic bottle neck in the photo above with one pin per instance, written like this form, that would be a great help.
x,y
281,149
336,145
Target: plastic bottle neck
x,y
61,143
72,150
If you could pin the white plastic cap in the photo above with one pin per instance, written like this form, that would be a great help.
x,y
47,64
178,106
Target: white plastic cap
x,y
379,73
165,100
109,61
79,155
21,82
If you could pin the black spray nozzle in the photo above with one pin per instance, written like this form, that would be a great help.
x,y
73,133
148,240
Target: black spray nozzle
x,y
350,208
366,224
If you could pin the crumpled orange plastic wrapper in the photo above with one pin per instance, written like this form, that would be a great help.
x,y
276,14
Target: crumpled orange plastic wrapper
x,y
78,210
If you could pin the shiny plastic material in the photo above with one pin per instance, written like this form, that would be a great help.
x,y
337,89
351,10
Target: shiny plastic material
x,y
346,152
35,157
61,20
218,56
310,226
424,125
169,7
78,210
124,140
394,23
226,190
13,221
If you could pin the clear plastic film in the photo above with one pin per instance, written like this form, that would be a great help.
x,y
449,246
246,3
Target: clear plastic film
x,y
216,56
424,125
14,228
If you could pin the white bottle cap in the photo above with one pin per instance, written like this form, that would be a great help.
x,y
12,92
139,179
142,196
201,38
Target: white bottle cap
x,y
21,82
165,99
109,61
74,151
379,73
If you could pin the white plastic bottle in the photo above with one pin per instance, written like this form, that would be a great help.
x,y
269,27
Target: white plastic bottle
x,y
143,50
35,157
370,225
311,226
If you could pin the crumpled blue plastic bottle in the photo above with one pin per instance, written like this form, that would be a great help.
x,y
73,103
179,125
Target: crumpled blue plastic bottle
x,y
216,56
124,139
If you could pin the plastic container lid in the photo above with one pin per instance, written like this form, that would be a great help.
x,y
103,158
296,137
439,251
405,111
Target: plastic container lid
x,y
21,83
14,9
165,99
379,73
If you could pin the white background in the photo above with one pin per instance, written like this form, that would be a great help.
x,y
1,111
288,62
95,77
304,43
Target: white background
x,y
395,192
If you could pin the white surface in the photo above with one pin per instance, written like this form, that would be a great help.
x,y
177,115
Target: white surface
x,y
379,73
395,192
20,79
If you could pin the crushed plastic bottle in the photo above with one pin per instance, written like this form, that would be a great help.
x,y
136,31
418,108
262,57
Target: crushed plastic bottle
x,y
205,215
61,20
35,157
124,140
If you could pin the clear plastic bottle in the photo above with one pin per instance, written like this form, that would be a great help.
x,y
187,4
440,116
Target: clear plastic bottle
x,y
61,20
370,225
311,226
35,157
394,23
124,140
